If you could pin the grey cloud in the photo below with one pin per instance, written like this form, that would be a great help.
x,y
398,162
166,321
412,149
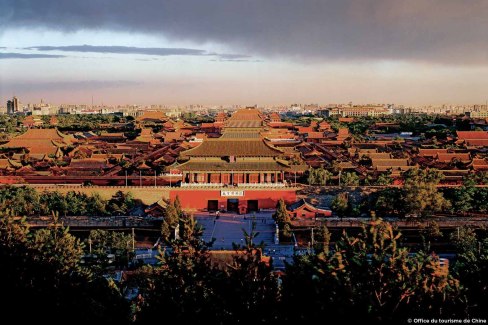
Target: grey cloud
x,y
28,56
158,51
234,57
442,31
148,60
235,60
155,51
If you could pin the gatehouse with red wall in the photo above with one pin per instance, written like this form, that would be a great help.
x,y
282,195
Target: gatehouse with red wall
x,y
240,200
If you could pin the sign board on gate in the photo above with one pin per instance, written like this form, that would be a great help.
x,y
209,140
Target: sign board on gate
x,y
230,193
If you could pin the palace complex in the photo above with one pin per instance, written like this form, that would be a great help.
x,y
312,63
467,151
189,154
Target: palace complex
x,y
243,161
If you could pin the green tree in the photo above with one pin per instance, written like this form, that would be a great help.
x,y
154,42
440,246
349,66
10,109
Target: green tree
x,y
22,200
170,222
42,269
430,233
384,179
323,176
104,242
340,204
463,198
350,179
322,240
368,278
189,229
282,218
319,176
178,208
96,205
77,203
420,194
180,287
253,282
482,177
480,200
312,176
388,202
121,203
471,268
57,248
53,201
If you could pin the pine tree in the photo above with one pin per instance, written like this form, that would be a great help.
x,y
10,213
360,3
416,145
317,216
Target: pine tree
x,y
369,277
177,205
322,240
283,219
170,222
341,204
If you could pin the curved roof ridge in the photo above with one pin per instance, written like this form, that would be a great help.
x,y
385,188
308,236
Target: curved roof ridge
x,y
230,147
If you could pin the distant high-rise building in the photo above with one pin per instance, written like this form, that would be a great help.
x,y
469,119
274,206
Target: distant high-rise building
x,y
10,107
16,104
13,105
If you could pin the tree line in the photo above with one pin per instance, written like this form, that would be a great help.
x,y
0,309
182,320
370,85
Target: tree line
x,y
419,196
368,277
43,280
27,201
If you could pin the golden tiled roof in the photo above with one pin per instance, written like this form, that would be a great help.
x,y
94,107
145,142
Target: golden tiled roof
x,y
447,157
389,162
237,166
480,164
146,135
465,135
431,152
90,163
240,135
245,118
239,147
39,141
247,114
243,124
112,135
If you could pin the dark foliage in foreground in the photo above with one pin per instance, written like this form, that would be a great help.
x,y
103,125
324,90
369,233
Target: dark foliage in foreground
x,y
366,278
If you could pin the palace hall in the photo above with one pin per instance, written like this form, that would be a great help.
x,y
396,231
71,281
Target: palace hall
x,y
240,156
250,172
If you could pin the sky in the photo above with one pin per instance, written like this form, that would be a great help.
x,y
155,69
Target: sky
x,y
246,52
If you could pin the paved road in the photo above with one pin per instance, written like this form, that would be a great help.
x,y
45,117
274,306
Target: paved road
x,y
228,229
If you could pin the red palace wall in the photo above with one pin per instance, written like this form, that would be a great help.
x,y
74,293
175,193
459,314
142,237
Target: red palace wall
x,y
198,199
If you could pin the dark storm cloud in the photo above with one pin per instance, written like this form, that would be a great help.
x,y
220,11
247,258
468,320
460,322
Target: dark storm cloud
x,y
443,31
28,56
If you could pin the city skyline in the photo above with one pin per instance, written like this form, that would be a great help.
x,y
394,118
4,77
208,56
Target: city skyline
x,y
420,53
